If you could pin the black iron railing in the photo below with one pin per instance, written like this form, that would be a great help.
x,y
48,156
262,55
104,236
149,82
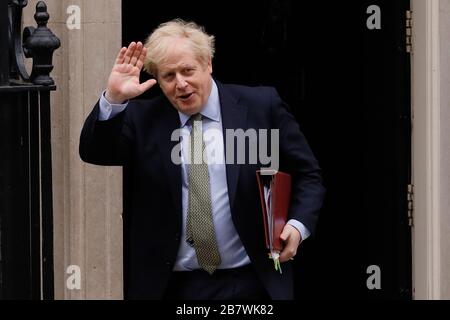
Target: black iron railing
x,y
26,211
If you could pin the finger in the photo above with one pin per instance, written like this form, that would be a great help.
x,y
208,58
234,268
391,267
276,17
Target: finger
x,y
285,234
136,54
129,52
120,55
288,253
141,60
147,85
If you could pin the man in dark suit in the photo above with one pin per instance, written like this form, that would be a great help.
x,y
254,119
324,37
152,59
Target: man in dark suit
x,y
195,227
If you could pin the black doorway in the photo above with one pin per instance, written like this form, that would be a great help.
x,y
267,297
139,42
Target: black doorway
x,y
349,88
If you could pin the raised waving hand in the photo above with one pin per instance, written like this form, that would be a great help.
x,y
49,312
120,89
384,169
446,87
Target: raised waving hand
x,y
123,82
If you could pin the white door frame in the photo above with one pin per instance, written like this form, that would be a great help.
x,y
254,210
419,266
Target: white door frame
x,y
426,132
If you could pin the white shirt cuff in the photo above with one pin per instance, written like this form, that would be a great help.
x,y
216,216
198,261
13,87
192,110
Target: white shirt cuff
x,y
304,232
109,110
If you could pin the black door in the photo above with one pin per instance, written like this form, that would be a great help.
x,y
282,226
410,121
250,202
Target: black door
x,y
344,71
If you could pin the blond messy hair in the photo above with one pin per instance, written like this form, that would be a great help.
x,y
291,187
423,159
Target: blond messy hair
x,y
158,43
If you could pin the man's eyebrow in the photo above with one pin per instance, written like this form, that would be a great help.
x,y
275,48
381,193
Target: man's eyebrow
x,y
169,70
187,65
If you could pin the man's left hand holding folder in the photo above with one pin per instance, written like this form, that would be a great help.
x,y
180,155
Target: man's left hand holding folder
x,y
292,238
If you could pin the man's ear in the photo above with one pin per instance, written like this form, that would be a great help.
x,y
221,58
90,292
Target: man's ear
x,y
210,66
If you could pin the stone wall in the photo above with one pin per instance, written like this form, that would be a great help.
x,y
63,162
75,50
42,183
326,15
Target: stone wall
x,y
87,198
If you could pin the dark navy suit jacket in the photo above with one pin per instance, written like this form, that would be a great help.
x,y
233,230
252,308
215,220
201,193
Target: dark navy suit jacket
x,y
139,139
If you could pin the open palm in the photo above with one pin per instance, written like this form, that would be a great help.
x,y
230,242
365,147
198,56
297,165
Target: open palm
x,y
123,82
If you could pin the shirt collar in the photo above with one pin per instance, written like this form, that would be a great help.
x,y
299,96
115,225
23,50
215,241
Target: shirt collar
x,y
211,110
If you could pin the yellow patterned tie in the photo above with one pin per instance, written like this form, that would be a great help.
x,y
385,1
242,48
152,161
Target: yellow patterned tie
x,y
200,227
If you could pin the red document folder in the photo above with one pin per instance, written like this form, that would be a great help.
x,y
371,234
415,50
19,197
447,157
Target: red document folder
x,y
275,194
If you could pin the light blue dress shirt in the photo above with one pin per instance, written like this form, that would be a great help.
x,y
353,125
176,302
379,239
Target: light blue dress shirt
x,y
231,249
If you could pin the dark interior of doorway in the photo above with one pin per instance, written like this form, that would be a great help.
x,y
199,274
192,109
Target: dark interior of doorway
x,y
348,87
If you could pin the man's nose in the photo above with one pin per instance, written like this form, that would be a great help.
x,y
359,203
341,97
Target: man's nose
x,y
181,82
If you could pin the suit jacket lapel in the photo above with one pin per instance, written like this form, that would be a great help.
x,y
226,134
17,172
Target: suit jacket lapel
x,y
234,116
170,121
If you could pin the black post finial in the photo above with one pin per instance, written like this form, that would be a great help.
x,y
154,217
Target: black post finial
x,y
41,16
39,44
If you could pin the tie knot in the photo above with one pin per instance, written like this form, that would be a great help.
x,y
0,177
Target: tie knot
x,y
196,117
